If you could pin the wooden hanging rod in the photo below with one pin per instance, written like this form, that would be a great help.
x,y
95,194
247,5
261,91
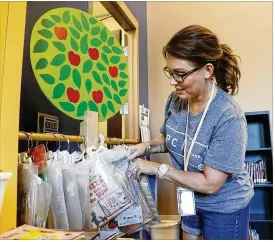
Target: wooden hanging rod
x,y
71,138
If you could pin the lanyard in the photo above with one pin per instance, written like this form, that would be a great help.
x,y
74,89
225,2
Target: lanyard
x,y
187,156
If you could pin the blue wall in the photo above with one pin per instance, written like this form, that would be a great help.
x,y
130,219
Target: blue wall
x,y
139,9
33,100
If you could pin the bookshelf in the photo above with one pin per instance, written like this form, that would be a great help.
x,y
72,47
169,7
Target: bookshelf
x,y
259,147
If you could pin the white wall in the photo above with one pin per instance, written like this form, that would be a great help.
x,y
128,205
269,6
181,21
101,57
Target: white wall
x,y
245,26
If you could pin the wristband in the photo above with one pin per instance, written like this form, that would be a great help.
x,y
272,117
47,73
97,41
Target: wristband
x,y
148,149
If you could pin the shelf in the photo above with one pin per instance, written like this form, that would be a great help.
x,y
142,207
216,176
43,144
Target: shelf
x,y
263,218
259,149
263,185
260,221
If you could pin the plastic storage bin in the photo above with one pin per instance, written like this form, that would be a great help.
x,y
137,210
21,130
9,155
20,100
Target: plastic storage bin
x,y
4,176
167,229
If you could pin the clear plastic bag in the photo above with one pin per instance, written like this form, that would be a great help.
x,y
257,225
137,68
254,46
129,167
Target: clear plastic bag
x,y
43,200
54,176
106,197
117,159
82,174
34,196
71,194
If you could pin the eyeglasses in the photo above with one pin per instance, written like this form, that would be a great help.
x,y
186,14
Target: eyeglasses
x,y
179,77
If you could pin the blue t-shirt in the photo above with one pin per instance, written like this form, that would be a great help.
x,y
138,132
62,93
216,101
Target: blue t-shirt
x,y
221,144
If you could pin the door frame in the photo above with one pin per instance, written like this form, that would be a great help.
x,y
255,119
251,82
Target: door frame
x,y
122,14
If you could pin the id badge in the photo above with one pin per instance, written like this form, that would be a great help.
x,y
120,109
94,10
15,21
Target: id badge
x,y
186,202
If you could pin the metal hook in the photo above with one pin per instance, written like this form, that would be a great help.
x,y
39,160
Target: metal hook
x,y
59,145
29,138
68,141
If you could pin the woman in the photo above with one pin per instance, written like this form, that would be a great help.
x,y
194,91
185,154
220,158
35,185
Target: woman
x,y
205,133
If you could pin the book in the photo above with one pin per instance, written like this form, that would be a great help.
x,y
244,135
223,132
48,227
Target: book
x,y
27,232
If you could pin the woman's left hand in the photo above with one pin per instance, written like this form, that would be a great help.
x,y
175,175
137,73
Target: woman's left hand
x,y
145,167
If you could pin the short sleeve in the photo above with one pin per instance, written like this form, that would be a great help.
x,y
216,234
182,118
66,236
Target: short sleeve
x,y
166,114
226,151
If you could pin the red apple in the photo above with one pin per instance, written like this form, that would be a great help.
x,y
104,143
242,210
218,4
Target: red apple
x,y
73,95
73,58
60,32
113,71
97,96
93,53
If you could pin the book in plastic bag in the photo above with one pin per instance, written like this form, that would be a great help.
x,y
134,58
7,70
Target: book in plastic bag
x,y
107,198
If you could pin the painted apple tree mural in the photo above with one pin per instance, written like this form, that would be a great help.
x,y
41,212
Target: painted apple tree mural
x,y
78,63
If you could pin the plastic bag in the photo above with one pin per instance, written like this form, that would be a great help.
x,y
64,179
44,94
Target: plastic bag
x,y
82,174
117,159
72,197
106,197
54,176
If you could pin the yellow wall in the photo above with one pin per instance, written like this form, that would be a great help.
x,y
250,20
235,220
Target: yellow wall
x,y
245,26
10,83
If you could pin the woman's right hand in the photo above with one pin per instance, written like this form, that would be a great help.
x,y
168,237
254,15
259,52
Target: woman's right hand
x,y
136,151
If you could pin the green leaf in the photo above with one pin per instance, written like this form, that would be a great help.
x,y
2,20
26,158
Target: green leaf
x,y
92,106
45,33
115,59
84,44
77,24
107,50
75,33
65,72
41,64
77,78
122,84
66,17
97,77
56,18
107,92
95,30
103,35
123,75
84,22
105,58
123,92
96,42
58,60
58,91
92,20
47,23
40,46
101,67
122,66
48,78
88,85
87,66
82,107
111,41
106,79
58,45
67,106
74,44
111,106
104,110
117,50
114,85
117,99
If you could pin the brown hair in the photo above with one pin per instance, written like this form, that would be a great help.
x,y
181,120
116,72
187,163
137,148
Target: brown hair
x,y
200,46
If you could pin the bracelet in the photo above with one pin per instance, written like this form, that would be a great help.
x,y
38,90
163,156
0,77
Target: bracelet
x,y
148,149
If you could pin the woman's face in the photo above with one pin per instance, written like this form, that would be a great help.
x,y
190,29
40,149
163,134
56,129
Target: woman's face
x,y
193,85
